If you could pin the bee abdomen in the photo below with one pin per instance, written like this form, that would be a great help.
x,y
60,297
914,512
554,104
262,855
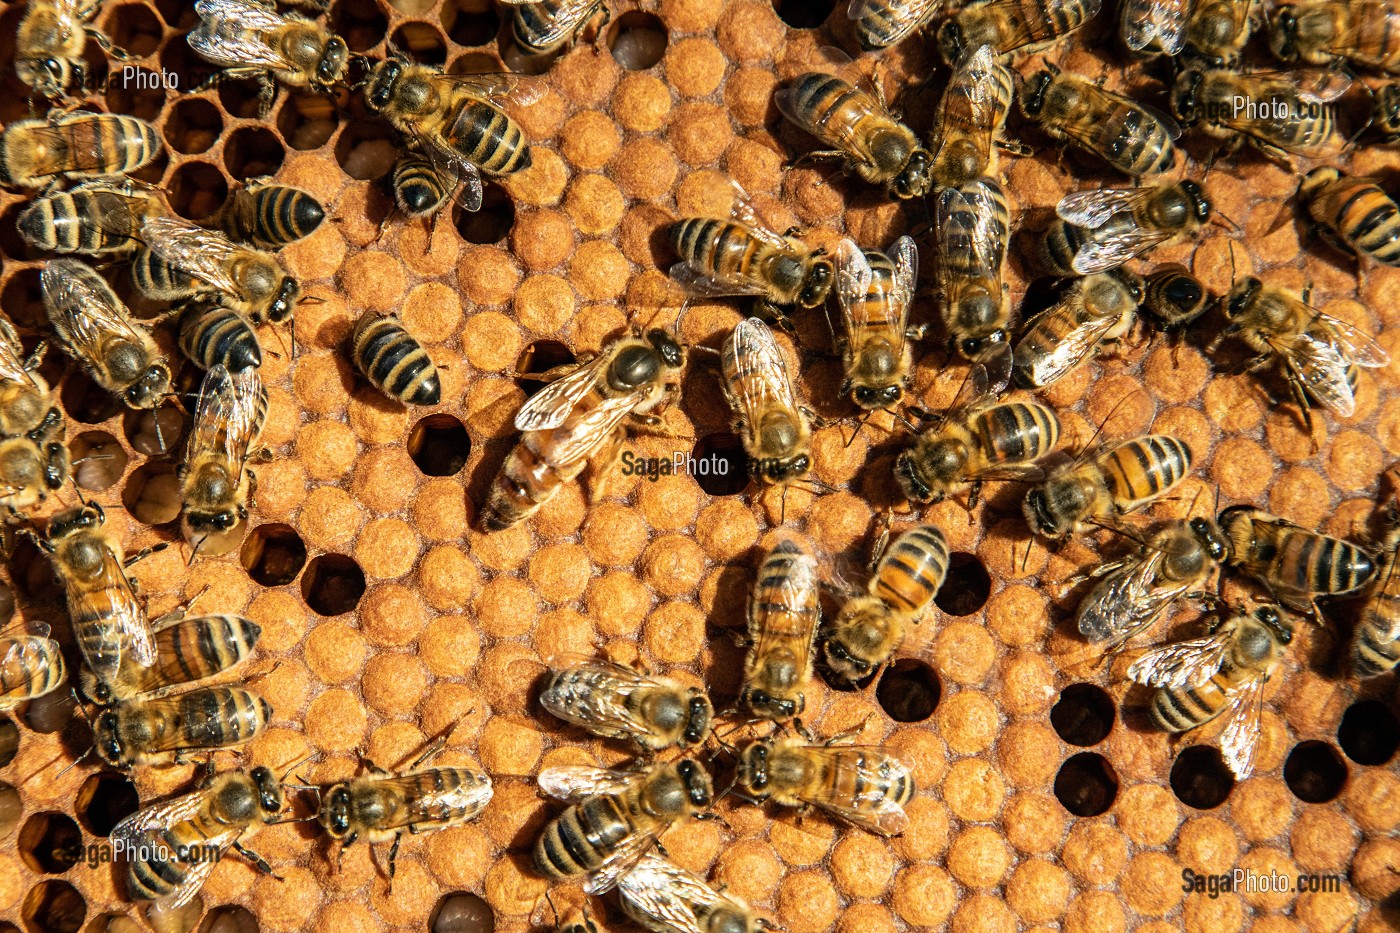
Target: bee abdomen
x,y
1320,564
75,223
1182,710
492,141
1371,221
1059,247
214,717
418,190
215,335
160,874
115,144
581,839
32,671
524,484
1017,432
279,215
393,359
1145,468
913,569
1372,654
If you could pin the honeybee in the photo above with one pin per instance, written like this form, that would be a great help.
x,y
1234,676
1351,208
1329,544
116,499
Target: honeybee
x,y
26,401
384,806
1101,229
871,625
874,292
250,39
618,702
782,629
158,731
543,26
666,899
579,414
880,24
1353,214
30,667
741,256
1385,111
1314,349
859,130
32,466
187,650
268,216
1097,311
775,430
1114,480
215,482
1131,137
1323,32
974,226
1294,564
864,785
96,217
182,260
212,335
453,119
393,360
615,817
1222,673
174,845
78,144
1134,592
96,330
420,190
50,42
976,440
1154,25
1174,296
1217,31
971,118
1375,646
1012,25
1276,118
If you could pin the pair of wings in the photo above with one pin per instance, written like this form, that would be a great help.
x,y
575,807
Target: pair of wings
x,y
12,359
204,254
673,898
1109,248
1103,136
602,709
229,417
853,284
574,784
873,768
1071,347
435,809
111,607
139,828
1319,87
971,224
705,283
239,34
899,18
973,93
756,377
550,407
847,133
1159,23
1129,599
84,311
24,659
565,19
1320,356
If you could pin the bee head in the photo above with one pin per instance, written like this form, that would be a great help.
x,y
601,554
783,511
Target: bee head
x,y
950,41
1211,538
1315,181
1200,204
1241,294
698,722
382,83
281,307
780,469
332,64
74,520
335,813
913,180
672,353
753,768
972,348
911,483
269,790
1387,109
147,391
94,689
1185,94
697,783
1033,94
1039,514
839,657
872,397
211,522
1237,524
770,707
106,740
817,282
48,76
56,465
1184,293
1283,38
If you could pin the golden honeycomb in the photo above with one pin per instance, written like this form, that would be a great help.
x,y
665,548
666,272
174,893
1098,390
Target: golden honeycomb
x,y
387,621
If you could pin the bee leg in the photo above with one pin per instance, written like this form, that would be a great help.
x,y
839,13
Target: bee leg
x,y
266,93
429,752
819,155
1014,147
974,495
772,315
394,859
364,760
105,44
256,859
601,469
144,553
180,611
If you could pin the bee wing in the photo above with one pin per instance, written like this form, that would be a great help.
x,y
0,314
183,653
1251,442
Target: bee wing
x,y
1161,21
973,85
427,808
760,373
1356,345
902,16
522,90
228,418
231,33
1094,207
549,407
11,364
743,210
906,270
666,893
83,315
844,135
1128,600
607,709
1240,738
1110,250
136,829
124,624
616,866
1321,367
1187,663
1321,86
199,252
870,809
1070,351
595,427
853,278
1100,137
572,783
158,816
702,284
971,211
979,388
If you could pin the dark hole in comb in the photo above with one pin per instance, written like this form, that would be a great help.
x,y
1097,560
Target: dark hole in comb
x,y
273,554
50,843
474,63
966,587
193,125
23,301
197,189
491,224
361,23
9,740
242,99
1315,772
133,27
721,466
539,357
177,14
909,691
1083,715
7,611
229,919
439,445
103,460
1369,732
307,121
1200,778
152,493
804,14
637,40
138,92
471,29
1086,784
462,913
86,401
333,584
421,42
12,244
54,907
10,808
104,800
253,152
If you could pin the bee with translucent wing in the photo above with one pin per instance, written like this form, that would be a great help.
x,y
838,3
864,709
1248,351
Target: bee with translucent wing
x,y
187,650
880,24
1154,25
1101,229
544,26
96,217
1223,673
1096,312
784,616
1289,115
874,292
775,429
1296,565
1327,32
1129,136
666,899
974,227
50,42
619,702
1101,485
34,459
215,482
31,666
1375,646
972,116
1353,214
1012,25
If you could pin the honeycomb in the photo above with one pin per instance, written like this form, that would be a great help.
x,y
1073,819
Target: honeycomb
x,y
1046,799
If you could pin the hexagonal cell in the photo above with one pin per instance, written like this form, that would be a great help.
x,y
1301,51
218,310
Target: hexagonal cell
x,y
637,39
54,907
367,148
253,152
229,919
1086,784
721,464
273,554
1369,733
360,23
152,493
98,460
10,809
333,584
471,29
189,70
51,712
177,14
540,357
104,800
462,913
909,691
197,190
23,301
154,431
307,121
193,125
474,63
804,14
439,445
133,27
491,224
137,91
243,99
421,42
50,843
9,740
1315,772
1200,778
1083,715
966,588
86,401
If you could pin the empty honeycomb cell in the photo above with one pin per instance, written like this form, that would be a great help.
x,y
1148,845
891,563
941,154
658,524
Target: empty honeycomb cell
x,y
470,25
439,445
307,121
86,401
138,92
333,584
99,461
9,740
50,843
361,23
106,798
637,39
1315,772
1083,715
422,42
973,790
196,190
924,895
273,554
1029,753
909,691
493,222
253,152
54,907
186,70
1369,733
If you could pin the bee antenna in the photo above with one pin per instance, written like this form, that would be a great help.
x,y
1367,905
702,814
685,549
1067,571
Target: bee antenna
x,y
1226,217
194,551
74,763
296,764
